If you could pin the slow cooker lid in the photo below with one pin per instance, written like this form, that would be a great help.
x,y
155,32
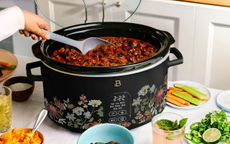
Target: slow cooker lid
x,y
161,39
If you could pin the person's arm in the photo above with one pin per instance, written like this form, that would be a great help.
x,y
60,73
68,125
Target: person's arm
x,y
29,24
12,20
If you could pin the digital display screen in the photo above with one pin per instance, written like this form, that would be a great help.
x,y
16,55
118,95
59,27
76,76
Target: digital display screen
x,y
117,107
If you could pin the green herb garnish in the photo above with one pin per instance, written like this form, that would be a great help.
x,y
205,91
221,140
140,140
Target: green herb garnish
x,y
170,125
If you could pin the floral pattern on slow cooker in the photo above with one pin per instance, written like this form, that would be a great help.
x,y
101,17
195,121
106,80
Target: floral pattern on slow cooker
x,y
56,110
81,116
126,124
148,102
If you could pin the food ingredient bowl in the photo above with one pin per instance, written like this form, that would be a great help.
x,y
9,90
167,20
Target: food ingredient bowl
x,y
22,88
26,130
106,133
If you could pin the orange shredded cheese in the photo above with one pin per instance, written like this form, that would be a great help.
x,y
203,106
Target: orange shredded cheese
x,y
20,137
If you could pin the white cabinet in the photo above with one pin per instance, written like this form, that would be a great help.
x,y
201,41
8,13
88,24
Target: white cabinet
x,y
68,12
176,18
211,63
202,32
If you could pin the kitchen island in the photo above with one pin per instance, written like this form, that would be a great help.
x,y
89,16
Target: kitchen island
x,y
25,113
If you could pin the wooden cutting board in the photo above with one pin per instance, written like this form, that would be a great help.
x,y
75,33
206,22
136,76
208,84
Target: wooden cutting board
x,y
212,2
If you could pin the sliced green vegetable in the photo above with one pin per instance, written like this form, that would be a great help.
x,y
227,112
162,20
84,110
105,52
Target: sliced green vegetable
x,y
178,85
188,136
195,133
9,67
195,126
196,139
187,98
194,92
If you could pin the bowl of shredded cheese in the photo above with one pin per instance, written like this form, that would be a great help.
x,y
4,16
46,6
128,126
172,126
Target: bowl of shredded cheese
x,y
22,135
22,88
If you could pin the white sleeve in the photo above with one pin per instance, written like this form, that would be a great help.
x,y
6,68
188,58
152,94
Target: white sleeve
x,y
12,20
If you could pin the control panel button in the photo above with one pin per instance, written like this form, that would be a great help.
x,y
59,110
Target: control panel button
x,y
112,113
122,112
112,120
122,119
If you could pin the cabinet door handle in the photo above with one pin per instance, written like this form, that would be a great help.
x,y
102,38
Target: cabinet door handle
x,y
118,4
104,2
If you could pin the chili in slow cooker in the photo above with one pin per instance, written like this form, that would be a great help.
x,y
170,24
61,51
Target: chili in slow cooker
x,y
125,51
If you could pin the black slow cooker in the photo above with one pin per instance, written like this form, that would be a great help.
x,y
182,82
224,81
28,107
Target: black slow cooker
x,y
79,97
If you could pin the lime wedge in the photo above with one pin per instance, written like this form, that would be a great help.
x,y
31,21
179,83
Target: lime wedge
x,y
228,142
211,136
170,136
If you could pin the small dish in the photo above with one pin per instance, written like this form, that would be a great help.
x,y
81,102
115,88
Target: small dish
x,y
7,56
202,89
20,95
223,100
26,130
105,133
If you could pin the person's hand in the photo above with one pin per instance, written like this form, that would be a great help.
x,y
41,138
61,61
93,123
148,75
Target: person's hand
x,y
34,25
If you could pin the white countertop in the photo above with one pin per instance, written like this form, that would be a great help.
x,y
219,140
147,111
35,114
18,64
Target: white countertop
x,y
25,113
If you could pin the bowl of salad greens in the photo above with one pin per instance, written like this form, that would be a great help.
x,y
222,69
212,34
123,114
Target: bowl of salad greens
x,y
106,134
212,129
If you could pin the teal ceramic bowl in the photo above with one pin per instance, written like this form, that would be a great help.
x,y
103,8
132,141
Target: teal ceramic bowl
x,y
106,133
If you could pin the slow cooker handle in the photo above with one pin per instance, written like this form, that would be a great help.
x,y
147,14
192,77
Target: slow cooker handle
x,y
30,66
178,55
